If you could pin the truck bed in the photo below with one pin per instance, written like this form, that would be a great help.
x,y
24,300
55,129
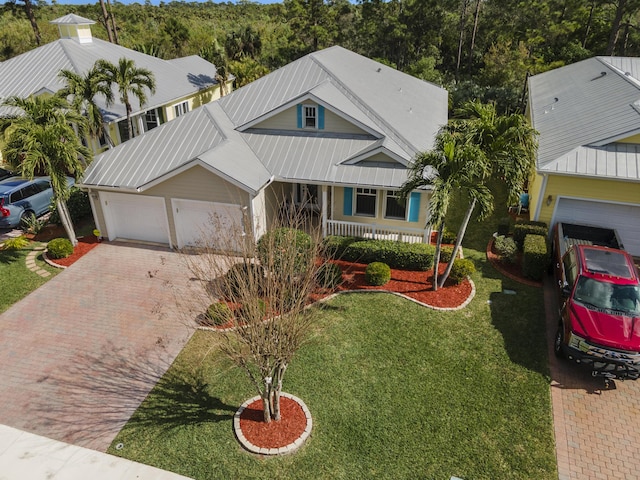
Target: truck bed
x,y
570,234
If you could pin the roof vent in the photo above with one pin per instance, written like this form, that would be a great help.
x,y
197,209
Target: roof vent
x,y
379,69
602,74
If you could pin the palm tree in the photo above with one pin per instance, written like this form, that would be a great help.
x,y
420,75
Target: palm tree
x,y
217,55
130,80
41,139
83,90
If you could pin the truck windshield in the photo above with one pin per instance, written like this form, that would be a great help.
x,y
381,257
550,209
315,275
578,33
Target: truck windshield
x,y
608,296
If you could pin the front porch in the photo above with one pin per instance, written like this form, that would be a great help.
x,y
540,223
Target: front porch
x,y
377,232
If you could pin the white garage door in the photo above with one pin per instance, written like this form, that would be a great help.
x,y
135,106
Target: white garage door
x,y
135,217
207,224
624,218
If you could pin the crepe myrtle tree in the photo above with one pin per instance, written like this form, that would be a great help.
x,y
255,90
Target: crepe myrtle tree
x,y
268,285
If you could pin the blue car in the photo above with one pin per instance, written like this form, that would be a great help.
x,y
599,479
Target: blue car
x,y
21,198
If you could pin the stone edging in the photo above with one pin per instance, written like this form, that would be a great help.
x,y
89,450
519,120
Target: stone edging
x,y
272,451
51,262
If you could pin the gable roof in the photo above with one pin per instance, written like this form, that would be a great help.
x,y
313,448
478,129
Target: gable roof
x,y
592,103
37,70
292,155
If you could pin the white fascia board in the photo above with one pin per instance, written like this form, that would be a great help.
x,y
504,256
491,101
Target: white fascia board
x,y
381,149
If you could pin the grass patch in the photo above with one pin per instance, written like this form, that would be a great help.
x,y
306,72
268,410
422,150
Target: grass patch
x,y
16,281
395,390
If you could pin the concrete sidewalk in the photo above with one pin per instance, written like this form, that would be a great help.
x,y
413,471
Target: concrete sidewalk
x,y
27,456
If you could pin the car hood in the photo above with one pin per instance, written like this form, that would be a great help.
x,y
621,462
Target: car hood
x,y
608,329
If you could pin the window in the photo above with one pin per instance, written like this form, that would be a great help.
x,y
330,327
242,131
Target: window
x,y
307,194
151,120
181,108
366,202
394,207
123,130
310,115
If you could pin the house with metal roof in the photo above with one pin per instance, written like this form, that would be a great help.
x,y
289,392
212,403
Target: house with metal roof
x,y
332,132
588,164
181,84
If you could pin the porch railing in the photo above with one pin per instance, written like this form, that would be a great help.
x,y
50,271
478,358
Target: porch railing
x,y
379,232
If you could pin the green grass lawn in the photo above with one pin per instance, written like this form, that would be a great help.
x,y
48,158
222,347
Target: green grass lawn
x,y
395,390
16,281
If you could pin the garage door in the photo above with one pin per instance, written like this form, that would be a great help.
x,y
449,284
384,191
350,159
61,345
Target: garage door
x,y
624,218
135,217
207,223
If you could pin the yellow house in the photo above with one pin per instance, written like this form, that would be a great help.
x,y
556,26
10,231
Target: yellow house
x,y
182,84
588,163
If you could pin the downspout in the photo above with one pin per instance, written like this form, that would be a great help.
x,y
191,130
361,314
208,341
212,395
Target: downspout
x,y
543,189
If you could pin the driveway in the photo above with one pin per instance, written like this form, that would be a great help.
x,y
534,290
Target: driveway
x,y
79,354
597,430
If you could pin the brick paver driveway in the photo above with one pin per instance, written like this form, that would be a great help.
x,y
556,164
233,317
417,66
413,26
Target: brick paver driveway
x,y
78,355
597,430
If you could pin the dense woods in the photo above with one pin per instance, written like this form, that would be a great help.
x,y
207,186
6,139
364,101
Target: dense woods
x,y
478,49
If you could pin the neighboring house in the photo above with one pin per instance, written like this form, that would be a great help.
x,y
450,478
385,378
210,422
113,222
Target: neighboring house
x,y
588,165
181,84
333,131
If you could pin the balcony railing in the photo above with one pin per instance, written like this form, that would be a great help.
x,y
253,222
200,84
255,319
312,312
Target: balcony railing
x,y
379,232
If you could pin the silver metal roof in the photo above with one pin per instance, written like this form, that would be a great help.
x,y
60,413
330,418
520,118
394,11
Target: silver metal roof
x,y
589,103
38,69
215,134
72,19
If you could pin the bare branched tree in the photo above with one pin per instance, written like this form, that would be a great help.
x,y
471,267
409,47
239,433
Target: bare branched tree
x,y
261,294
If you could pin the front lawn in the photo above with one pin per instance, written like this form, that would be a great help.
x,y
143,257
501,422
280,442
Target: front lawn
x,y
16,280
396,391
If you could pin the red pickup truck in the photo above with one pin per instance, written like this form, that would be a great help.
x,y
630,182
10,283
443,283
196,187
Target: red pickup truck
x,y
599,291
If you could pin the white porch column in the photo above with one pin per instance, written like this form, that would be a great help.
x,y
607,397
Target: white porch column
x,y
325,201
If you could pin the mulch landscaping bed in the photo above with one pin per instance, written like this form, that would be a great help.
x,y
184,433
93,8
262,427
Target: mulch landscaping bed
x,y
84,245
273,434
509,270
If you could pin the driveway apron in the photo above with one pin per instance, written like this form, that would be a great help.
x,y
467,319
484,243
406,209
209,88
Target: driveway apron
x,y
79,354
597,430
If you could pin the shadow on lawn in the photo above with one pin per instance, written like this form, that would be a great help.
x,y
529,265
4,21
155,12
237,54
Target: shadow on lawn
x,y
89,402
8,257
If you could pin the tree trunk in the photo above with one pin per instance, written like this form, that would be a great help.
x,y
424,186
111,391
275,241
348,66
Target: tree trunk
x,y
275,410
105,16
436,257
113,22
65,218
588,27
615,27
32,19
461,232
473,35
463,15
266,400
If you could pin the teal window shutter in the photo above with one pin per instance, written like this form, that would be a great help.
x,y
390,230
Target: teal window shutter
x,y
414,206
299,112
320,117
347,209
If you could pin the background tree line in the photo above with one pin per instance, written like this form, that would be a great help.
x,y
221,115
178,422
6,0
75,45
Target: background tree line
x,y
478,49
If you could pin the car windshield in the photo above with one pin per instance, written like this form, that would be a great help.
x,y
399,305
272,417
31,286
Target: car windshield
x,y
596,294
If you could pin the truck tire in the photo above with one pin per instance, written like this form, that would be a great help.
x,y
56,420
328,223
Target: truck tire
x,y
558,340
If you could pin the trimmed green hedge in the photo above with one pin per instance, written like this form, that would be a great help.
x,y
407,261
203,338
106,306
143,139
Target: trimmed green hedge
x,y
522,229
406,256
377,273
59,248
535,257
282,239
218,314
335,246
507,249
461,269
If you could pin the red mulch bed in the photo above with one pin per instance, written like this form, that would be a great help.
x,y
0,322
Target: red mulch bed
x,y
509,270
84,245
273,434
414,284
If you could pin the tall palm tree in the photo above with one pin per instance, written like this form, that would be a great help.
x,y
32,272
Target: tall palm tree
x,y
130,80
40,139
83,91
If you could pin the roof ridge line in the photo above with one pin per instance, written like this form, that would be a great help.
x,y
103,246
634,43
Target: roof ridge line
x,y
66,54
404,143
629,78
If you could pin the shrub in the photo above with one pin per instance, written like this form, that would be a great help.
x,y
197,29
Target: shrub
x,y
535,256
249,276
462,268
507,249
78,205
377,273
445,253
335,245
16,243
407,256
252,310
218,314
329,275
281,240
522,229
59,248
449,237
504,225
32,224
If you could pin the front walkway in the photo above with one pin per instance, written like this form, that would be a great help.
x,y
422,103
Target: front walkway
x,y
79,354
597,431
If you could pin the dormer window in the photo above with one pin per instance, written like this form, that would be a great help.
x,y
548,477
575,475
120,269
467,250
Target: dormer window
x,y
310,116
